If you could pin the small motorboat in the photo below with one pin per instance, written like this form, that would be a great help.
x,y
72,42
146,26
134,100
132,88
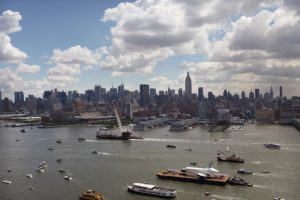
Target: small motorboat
x,y
188,149
193,163
239,181
91,195
43,164
59,160
171,146
81,139
62,171
58,141
29,175
272,146
244,171
278,198
6,182
50,149
9,170
68,177
40,170
94,152
23,130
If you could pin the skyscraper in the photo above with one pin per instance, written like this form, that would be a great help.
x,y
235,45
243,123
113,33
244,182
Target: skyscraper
x,y
188,86
97,92
271,93
200,93
256,93
280,91
121,91
19,98
144,95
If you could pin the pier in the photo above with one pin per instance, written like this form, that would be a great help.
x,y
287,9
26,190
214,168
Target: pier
x,y
150,124
185,124
296,123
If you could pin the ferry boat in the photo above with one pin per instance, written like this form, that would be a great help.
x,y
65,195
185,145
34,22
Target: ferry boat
x,y
126,133
151,190
272,146
231,158
91,195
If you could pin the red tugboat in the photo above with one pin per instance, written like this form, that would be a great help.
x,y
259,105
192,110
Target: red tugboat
x,y
232,158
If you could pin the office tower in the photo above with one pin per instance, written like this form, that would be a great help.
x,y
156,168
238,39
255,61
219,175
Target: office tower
x,y
271,93
153,92
90,95
144,95
280,91
256,93
243,95
225,94
180,92
19,98
121,91
210,96
251,95
200,93
97,93
188,86
0,95
0,101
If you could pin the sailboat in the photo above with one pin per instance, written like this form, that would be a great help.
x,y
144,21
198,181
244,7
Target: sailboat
x,y
126,133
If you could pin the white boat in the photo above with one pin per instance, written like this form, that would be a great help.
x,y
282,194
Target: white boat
x,y
227,149
81,139
29,175
151,190
39,169
6,182
272,146
68,177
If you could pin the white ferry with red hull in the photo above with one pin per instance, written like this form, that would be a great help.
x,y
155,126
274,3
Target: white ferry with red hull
x,y
152,190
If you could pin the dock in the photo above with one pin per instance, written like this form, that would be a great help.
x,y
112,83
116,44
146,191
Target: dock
x,y
151,124
185,124
177,175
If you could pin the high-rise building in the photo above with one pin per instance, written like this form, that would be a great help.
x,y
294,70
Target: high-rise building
x,y
121,91
0,95
251,95
280,91
225,93
256,93
243,95
153,92
271,93
144,95
97,93
200,93
19,99
188,86
180,92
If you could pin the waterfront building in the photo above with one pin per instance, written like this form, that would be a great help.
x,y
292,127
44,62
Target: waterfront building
x,y
144,95
188,86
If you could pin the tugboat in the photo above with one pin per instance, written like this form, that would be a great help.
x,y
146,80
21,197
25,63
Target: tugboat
x,y
232,158
151,190
244,171
126,134
239,181
91,195
272,146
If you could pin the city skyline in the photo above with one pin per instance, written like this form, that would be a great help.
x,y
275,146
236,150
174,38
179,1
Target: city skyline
x,y
243,47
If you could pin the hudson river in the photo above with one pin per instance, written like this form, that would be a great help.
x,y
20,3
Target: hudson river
x,y
119,163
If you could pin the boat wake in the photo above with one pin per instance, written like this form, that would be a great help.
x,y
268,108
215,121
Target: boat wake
x,y
104,153
175,140
226,197
41,139
256,162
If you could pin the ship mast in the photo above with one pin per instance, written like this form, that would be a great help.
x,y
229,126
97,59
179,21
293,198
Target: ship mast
x,y
118,120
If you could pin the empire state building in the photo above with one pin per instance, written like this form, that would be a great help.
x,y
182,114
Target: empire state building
x,y
188,86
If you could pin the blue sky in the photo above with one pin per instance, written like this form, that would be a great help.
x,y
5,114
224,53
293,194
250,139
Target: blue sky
x,y
78,44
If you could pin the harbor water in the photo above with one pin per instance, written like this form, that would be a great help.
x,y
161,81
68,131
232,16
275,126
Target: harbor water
x,y
120,163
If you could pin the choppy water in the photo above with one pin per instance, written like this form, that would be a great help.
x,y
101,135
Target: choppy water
x,y
119,163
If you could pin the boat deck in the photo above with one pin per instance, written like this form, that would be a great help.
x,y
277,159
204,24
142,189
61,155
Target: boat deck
x,y
217,179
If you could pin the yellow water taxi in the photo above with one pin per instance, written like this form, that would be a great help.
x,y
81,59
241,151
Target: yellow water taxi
x,y
91,195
